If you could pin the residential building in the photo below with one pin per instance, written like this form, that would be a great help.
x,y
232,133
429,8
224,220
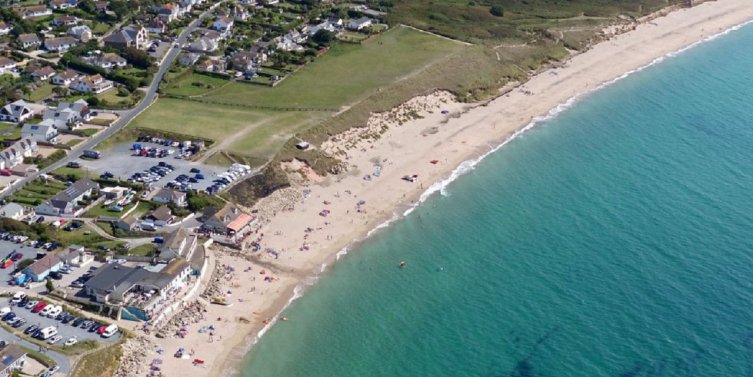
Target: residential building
x,y
247,60
170,196
66,202
223,24
64,21
60,44
92,84
5,28
81,32
6,65
211,65
45,131
13,211
76,256
114,193
360,23
65,78
28,41
127,223
14,155
16,112
156,26
40,269
33,11
228,220
107,60
238,13
43,73
12,358
203,45
187,59
169,12
130,36
178,244
68,115
161,216
63,4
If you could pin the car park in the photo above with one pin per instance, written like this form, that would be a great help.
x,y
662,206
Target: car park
x,y
54,339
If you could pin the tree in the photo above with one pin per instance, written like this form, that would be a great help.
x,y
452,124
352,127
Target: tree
x,y
138,58
92,101
323,37
49,285
497,10
61,91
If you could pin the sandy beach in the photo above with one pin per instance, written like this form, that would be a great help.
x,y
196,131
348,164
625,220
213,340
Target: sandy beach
x,y
304,229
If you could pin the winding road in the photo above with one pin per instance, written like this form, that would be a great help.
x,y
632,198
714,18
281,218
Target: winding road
x,y
126,116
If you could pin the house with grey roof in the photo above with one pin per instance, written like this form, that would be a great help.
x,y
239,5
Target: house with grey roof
x,y
170,196
28,41
65,78
60,44
107,60
43,73
68,115
130,36
45,131
13,211
6,64
12,358
81,32
178,244
40,269
66,202
16,112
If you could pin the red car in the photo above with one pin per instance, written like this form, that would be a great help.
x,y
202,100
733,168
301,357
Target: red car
x,y
16,257
7,263
38,307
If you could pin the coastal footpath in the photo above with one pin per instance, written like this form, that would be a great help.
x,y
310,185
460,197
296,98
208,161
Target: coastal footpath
x,y
393,163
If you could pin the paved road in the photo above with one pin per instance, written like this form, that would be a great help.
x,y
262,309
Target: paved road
x,y
60,359
125,117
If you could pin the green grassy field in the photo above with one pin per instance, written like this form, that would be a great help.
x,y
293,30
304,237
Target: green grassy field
x,y
346,73
195,84
42,92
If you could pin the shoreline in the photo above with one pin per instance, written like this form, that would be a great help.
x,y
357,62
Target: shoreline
x,y
463,139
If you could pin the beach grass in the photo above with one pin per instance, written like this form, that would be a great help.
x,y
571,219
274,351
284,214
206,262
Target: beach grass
x,y
103,362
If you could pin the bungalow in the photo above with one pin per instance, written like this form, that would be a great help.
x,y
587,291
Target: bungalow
x,y
211,65
6,65
64,21
60,44
5,28
30,40
107,60
161,216
223,24
65,78
34,11
16,112
170,196
128,223
45,131
228,220
12,359
13,211
156,26
178,244
81,32
130,36
43,73
92,84
66,202
40,269
360,23
114,193
168,12
14,155
247,60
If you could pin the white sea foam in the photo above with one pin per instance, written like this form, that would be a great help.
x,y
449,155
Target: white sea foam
x,y
343,252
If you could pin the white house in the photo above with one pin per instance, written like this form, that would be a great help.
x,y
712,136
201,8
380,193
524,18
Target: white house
x,y
43,73
81,32
60,44
360,23
30,40
91,84
16,112
107,60
5,28
130,36
65,78
169,12
6,65
44,132
223,24
68,115
34,11
12,211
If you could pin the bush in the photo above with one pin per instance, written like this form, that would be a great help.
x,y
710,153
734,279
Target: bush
x,y
497,10
199,201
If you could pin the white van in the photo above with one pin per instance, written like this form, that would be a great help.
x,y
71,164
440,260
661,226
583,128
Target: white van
x,y
110,331
55,311
4,311
18,297
48,332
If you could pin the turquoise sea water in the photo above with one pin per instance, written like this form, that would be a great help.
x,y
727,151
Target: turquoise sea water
x,y
614,240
